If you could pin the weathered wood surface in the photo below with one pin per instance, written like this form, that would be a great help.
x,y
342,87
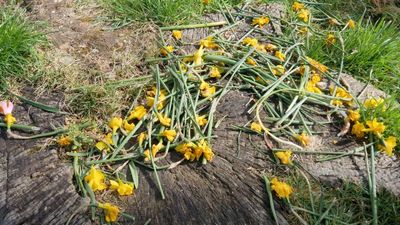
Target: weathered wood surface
x,y
35,185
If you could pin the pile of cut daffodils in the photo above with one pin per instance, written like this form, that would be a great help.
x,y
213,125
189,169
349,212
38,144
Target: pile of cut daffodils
x,y
176,115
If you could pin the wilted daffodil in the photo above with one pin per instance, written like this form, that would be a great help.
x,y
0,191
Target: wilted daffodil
x,y
209,43
333,22
141,137
164,51
95,179
110,211
154,150
255,126
164,120
188,151
330,39
206,89
104,144
128,127
375,127
251,62
6,108
177,34
303,30
64,141
115,123
353,115
198,56
351,24
280,55
122,188
284,157
358,130
169,134
201,120
303,139
215,72
372,103
282,189
297,6
250,42
270,47
388,145
260,21
317,65
139,111
278,70
312,87
150,98
304,15
204,148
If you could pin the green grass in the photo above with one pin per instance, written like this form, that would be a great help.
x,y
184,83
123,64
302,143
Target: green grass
x,y
350,203
18,38
371,46
163,12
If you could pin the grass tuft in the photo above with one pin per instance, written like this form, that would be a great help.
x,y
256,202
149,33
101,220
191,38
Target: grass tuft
x,y
18,38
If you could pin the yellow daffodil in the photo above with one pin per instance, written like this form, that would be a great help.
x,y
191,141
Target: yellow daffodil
x,y
353,115
110,211
304,15
303,139
187,150
297,6
104,144
164,120
128,127
115,123
284,157
358,130
201,120
198,56
95,179
375,127
351,24
251,62
333,22
372,103
330,39
315,78
150,98
209,43
303,30
280,55
122,188
317,65
141,137
340,93
166,50
278,70
64,141
6,108
260,48
270,47
255,126
301,70
177,34
282,189
388,145
138,112
337,102
203,148
206,89
169,134
260,21
250,42
312,87
215,72
154,150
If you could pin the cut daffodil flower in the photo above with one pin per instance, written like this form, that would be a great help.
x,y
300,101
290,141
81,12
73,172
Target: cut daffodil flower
x,y
122,188
95,179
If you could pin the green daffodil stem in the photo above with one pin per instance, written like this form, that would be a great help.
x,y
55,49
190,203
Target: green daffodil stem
x,y
323,152
25,128
270,199
192,26
373,185
46,134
